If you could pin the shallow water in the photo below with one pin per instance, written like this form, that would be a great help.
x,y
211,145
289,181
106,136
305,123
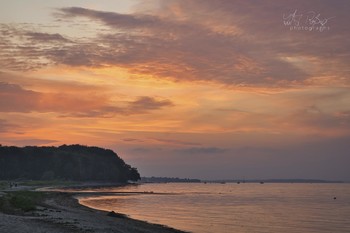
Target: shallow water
x,y
237,208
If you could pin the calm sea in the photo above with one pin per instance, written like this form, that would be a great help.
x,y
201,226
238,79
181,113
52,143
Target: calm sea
x,y
234,208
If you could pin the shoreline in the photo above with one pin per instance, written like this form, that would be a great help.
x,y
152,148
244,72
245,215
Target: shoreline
x,y
61,212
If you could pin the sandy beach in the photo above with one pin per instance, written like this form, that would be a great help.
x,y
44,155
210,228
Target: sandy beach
x,y
61,212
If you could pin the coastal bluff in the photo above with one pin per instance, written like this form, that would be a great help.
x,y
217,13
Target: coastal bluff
x,y
66,162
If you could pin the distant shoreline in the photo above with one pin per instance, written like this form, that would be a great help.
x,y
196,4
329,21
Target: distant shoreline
x,y
287,181
242,180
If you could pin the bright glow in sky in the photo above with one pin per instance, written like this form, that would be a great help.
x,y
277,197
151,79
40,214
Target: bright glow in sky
x,y
201,89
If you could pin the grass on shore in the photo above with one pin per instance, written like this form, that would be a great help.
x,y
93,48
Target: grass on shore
x,y
20,201
47,183
3,185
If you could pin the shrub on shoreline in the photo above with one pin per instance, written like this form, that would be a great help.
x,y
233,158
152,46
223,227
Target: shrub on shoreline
x,y
20,201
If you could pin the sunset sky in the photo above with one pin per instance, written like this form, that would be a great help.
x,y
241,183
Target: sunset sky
x,y
197,88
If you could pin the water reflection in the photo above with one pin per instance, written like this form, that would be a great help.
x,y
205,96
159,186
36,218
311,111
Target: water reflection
x,y
236,208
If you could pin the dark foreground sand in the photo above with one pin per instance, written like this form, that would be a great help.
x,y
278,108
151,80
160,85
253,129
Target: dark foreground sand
x,y
62,213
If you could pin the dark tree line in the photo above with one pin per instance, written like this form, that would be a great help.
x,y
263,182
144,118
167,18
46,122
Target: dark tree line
x,y
67,162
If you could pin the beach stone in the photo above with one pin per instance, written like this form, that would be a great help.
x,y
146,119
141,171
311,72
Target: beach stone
x,y
116,215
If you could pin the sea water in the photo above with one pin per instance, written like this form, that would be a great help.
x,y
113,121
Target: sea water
x,y
233,208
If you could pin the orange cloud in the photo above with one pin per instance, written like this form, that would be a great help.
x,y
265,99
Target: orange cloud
x,y
13,98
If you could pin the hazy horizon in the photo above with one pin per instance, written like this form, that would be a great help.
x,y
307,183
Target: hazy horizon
x,y
222,89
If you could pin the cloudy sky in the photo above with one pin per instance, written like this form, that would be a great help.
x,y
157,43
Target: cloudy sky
x,y
197,88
